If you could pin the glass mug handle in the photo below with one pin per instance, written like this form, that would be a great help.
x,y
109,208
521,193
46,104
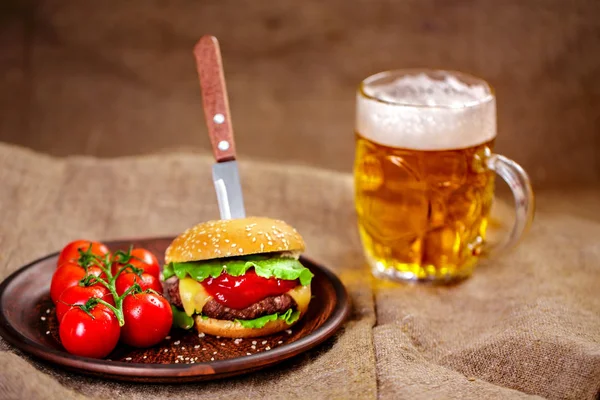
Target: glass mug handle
x,y
518,181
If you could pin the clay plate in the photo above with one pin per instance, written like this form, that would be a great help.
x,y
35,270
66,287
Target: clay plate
x,y
28,321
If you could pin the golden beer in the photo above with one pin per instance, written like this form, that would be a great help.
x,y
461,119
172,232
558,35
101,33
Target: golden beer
x,y
423,213
423,187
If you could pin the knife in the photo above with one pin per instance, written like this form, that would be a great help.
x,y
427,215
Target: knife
x,y
226,176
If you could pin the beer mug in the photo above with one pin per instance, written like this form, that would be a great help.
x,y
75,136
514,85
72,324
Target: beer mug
x,y
424,174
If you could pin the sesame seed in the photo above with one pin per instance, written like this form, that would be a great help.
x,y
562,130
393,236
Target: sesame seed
x,y
47,332
204,349
280,342
128,359
187,358
209,235
233,245
212,359
182,348
166,350
253,240
254,342
253,347
237,341
145,357
204,243
218,337
191,362
180,356
201,334
48,311
264,342
222,344
176,361
267,348
196,359
214,352
270,243
262,246
43,318
288,331
176,343
241,250
248,354
226,240
168,337
197,346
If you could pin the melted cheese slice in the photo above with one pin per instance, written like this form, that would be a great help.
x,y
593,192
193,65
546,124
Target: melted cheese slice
x,y
300,294
193,296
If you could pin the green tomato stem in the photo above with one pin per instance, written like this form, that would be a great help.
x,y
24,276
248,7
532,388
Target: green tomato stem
x,y
100,265
106,266
117,309
110,286
123,268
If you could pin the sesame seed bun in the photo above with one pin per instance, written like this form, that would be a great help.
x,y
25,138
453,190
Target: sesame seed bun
x,y
233,329
232,238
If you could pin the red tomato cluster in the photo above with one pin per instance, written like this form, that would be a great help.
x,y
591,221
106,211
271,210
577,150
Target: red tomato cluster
x,y
102,298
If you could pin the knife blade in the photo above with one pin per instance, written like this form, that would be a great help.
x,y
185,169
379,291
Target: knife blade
x,y
226,176
226,179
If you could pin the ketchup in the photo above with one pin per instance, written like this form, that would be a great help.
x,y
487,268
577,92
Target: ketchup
x,y
242,291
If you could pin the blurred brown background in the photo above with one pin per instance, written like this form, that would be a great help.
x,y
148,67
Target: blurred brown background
x,y
112,78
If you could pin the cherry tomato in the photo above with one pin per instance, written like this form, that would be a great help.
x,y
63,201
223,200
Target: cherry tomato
x,y
127,279
69,274
78,295
148,318
89,336
70,253
143,259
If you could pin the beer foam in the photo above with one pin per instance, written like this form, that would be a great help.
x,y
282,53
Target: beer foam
x,y
422,113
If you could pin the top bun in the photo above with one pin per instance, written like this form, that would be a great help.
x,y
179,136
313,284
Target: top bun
x,y
234,238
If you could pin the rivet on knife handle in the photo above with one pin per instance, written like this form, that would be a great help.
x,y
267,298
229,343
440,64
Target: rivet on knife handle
x,y
214,97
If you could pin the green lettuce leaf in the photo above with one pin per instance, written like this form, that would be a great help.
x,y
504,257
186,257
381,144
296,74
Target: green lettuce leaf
x,y
279,267
289,317
167,271
181,319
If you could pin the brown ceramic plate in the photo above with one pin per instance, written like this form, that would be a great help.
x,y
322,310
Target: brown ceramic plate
x,y
28,321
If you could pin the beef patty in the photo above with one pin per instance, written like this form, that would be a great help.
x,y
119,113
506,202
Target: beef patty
x,y
214,309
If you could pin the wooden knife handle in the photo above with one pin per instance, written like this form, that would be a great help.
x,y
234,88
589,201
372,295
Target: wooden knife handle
x,y
214,97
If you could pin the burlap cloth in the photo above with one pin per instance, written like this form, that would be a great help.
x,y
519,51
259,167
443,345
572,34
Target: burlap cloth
x,y
527,323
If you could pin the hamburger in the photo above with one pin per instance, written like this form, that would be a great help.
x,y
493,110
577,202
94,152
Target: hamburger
x,y
237,278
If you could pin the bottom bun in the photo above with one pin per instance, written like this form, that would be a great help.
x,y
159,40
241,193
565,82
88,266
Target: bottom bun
x,y
233,329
